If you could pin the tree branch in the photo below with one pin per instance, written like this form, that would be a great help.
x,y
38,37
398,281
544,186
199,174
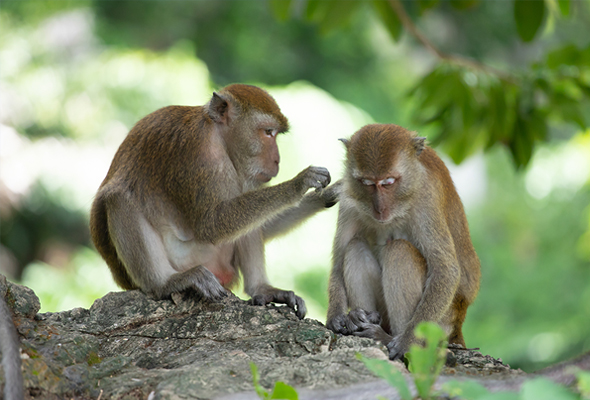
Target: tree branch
x,y
409,25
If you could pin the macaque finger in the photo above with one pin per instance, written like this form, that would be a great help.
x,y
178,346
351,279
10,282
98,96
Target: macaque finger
x,y
301,308
261,299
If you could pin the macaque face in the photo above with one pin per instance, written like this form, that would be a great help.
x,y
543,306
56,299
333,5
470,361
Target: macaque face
x,y
380,194
381,159
269,157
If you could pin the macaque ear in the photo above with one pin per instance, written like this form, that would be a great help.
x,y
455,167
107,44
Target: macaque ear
x,y
217,109
345,141
419,144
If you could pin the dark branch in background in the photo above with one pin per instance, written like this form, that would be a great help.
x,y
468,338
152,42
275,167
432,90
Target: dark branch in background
x,y
406,21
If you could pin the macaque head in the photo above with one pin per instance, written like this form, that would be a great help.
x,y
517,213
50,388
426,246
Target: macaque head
x,y
249,120
383,170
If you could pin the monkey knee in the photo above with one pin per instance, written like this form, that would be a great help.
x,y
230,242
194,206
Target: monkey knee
x,y
359,259
402,246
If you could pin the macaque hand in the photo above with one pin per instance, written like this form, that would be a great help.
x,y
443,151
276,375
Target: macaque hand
x,y
331,194
313,177
273,295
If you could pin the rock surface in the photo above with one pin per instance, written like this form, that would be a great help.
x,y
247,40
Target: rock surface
x,y
129,346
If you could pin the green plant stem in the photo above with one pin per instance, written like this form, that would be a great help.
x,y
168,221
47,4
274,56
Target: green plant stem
x,y
409,25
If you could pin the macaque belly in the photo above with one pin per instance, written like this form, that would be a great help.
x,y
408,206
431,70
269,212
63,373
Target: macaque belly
x,y
188,253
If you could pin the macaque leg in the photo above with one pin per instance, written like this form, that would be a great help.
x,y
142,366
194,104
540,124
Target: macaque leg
x,y
362,276
362,280
250,258
140,248
404,275
457,317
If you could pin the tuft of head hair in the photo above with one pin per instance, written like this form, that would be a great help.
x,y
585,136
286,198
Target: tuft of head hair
x,y
376,147
252,97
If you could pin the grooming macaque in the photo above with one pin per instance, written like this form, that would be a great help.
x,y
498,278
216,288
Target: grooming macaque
x,y
10,347
183,205
402,250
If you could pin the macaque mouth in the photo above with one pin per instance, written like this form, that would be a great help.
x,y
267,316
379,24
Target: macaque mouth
x,y
264,177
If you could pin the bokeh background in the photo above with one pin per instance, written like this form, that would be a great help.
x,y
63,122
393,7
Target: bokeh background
x,y
510,116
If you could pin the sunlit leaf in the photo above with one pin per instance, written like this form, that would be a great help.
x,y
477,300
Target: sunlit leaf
x,y
427,362
389,373
529,15
501,396
544,389
256,382
389,18
284,391
583,383
466,390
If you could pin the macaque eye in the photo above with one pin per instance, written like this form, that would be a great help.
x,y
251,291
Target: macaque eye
x,y
388,181
367,182
271,132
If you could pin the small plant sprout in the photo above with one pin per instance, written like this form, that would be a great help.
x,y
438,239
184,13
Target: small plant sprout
x,y
280,391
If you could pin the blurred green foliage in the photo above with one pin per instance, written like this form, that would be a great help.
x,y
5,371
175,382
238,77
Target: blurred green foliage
x,y
470,105
531,231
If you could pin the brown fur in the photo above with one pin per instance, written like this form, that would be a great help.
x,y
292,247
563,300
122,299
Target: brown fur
x,y
421,207
252,97
183,204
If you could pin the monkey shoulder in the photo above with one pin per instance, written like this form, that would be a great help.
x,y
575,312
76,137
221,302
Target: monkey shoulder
x,y
434,164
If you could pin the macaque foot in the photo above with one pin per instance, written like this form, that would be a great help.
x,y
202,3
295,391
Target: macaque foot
x,y
398,347
356,321
281,296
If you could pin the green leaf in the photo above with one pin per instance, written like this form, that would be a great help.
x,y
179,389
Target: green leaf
x,y
500,396
569,109
498,115
331,15
389,373
583,383
312,8
544,389
427,362
564,7
284,391
529,15
466,390
260,391
425,5
521,145
389,18
463,4
567,55
281,9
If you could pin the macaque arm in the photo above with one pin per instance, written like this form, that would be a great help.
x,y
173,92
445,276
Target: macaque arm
x,y
226,220
250,259
338,299
443,274
310,204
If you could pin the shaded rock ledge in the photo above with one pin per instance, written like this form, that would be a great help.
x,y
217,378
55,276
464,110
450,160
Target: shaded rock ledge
x,y
128,346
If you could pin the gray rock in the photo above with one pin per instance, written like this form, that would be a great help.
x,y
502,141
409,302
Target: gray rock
x,y
129,346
